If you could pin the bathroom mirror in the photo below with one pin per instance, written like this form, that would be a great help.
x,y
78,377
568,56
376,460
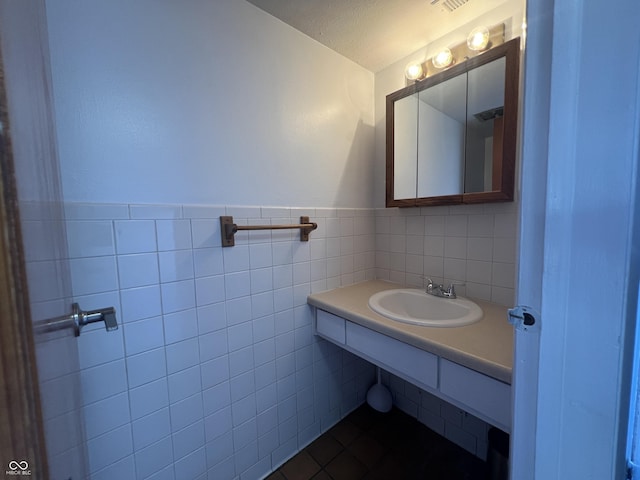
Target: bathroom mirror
x,y
451,138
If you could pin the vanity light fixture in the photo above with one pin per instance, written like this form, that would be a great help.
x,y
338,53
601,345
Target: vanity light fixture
x,y
414,71
478,39
443,58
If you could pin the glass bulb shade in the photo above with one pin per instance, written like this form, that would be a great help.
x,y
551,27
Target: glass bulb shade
x,y
413,71
478,39
442,59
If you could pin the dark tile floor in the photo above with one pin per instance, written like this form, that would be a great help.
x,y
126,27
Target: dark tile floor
x,y
370,445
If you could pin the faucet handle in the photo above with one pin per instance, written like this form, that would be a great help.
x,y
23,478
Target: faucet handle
x,y
451,291
429,286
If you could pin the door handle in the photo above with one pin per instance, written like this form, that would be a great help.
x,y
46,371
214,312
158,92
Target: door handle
x,y
78,319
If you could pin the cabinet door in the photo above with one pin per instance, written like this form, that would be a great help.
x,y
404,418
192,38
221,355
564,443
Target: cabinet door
x,y
486,397
411,363
330,326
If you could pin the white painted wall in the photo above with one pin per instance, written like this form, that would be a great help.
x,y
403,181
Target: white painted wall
x,y
205,102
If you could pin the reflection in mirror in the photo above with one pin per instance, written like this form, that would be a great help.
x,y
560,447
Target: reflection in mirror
x,y
406,147
485,109
441,134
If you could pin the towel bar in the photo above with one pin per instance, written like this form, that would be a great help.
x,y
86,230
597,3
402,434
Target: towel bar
x,y
228,229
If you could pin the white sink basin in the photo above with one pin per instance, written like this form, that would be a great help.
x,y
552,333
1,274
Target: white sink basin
x,y
411,305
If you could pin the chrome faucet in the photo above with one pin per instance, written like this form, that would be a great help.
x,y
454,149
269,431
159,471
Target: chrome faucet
x,y
440,291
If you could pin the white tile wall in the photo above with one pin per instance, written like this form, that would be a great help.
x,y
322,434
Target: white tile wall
x,y
214,369
458,426
471,244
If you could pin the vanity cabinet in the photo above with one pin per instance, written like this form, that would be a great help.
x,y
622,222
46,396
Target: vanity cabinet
x,y
485,397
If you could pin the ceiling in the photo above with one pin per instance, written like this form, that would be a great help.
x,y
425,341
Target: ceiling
x,y
376,33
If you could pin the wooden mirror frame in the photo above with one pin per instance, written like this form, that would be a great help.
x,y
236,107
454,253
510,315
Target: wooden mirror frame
x,y
504,171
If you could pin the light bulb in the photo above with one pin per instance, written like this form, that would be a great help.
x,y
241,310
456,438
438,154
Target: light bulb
x,y
442,59
478,39
413,71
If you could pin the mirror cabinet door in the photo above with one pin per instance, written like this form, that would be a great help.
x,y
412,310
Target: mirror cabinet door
x,y
485,110
405,147
441,138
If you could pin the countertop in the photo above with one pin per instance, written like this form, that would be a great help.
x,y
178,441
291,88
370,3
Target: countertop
x,y
485,346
